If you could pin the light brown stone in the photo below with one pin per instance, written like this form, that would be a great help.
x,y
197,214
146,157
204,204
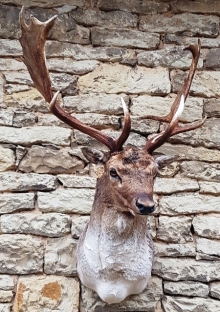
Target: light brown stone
x,y
7,159
12,202
207,225
186,288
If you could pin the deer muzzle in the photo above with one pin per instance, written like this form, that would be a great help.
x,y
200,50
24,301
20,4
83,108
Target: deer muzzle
x,y
145,205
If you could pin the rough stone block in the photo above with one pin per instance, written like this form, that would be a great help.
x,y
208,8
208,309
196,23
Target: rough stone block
x,y
6,117
198,6
7,159
78,225
175,185
12,202
14,181
215,290
209,188
128,38
174,250
67,201
47,293
189,204
10,48
195,24
212,107
48,160
207,249
74,181
5,307
175,229
60,256
207,225
6,282
200,170
111,78
6,296
148,300
186,288
67,65
21,254
48,224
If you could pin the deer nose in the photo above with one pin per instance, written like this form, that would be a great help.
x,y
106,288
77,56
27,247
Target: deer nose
x,y
145,205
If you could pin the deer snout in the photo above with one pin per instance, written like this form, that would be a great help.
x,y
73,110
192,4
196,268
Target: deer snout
x,y
145,205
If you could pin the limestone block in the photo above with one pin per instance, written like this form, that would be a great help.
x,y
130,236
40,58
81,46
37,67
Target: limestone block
x,y
60,256
190,153
212,107
215,289
197,24
6,282
1,90
35,135
66,201
47,293
207,225
28,100
175,304
99,121
174,185
188,204
186,269
169,171
160,106
5,307
21,77
23,119
207,249
11,64
186,288
6,296
99,18
212,59
106,54
12,202
172,57
78,225
108,104
7,159
9,21
67,65
6,117
128,38
21,254
205,83
134,6
174,250
48,160
48,4
10,47
200,170
48,224
148,300
209,188
74,181
175,229
111,78
199,6
14,181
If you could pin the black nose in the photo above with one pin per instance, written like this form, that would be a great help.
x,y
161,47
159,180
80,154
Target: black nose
x,y
145,210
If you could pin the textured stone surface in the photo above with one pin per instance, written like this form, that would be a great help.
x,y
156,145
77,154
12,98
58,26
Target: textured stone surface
x,y
198,6
207,248
48,160
189,203
27,254
5,307
115,79
75,181
47,293
6,282
7,159
78,225
209,188
70,66
60,256
48,224
186,22
66,201
215,289
35,135
201,171
124,38
186,288
174,185
174,304
186,269
13,181
6,117
148,300
174,229
6,295
174,250
212,107
12,202
207,225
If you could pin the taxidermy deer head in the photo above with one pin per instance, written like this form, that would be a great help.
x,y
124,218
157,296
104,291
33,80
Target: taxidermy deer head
x,y
115,250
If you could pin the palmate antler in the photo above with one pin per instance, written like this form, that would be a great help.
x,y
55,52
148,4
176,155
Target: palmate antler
x,y
33,44
177,108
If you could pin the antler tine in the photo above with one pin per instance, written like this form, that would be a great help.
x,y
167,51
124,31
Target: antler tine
x,y
33,44
177,108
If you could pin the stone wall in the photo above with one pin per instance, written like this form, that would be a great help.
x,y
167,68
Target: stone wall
x,y
98,51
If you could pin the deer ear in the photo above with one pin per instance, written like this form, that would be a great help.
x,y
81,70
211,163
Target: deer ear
x,y
162,160
95,156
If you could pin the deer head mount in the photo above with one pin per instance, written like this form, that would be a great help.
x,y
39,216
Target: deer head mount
x,y
115,250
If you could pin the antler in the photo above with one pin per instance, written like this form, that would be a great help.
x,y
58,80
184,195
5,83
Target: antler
x,y
177,108
33,44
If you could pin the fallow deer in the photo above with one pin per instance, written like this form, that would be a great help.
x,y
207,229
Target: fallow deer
x,y
115,251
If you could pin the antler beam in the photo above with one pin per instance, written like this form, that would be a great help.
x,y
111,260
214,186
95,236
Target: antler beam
x,y
33,44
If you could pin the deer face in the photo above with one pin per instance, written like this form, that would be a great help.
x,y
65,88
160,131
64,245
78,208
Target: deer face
x,y
130,176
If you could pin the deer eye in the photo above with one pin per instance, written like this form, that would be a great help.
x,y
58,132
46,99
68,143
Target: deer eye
x,y
113,173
